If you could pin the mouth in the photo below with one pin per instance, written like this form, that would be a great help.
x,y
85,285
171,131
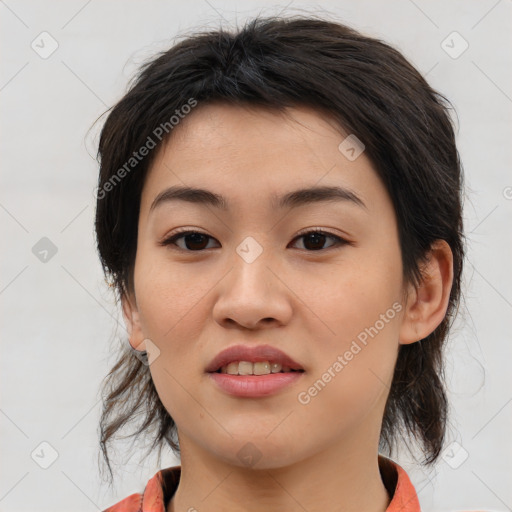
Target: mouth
x,y
255,360
256,368
254,372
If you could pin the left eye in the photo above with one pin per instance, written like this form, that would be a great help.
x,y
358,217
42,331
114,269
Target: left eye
x,y
317,239
195,240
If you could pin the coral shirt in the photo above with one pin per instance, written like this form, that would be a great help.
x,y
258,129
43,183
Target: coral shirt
x,y
161,488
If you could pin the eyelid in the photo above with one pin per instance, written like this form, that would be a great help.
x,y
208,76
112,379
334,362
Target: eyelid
x,y
185,230
317,229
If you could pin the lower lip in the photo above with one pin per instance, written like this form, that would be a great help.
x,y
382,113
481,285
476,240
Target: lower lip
x,y
254,386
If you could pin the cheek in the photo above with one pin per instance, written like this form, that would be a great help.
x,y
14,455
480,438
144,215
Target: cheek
x,y
173,309
359,309
354,296
171,299
352,375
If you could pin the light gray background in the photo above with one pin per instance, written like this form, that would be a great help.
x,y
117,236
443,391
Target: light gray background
x,y
58,317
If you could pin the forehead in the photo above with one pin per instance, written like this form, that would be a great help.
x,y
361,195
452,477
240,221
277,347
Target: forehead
x,y
244,152
224,126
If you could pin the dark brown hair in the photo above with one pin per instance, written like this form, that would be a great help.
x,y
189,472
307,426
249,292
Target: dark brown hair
x,y
372,91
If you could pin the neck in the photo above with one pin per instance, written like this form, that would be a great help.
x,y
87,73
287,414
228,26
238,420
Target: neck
x,y
337,479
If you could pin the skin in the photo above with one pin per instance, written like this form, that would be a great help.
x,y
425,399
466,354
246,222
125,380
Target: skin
x,y
312,304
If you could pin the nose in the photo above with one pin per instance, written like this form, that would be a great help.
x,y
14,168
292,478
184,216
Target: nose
x,y
253,295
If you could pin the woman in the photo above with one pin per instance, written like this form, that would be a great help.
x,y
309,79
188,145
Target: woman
x,y
279,210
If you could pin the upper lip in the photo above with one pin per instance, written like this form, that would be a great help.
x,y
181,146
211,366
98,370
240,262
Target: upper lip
x,y
252,354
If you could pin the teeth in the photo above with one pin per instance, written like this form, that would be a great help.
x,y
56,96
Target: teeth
x,y
232,368
261,368
276,367
245,368
248,368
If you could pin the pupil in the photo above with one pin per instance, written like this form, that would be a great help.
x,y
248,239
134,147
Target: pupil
x,y
315,238
196,239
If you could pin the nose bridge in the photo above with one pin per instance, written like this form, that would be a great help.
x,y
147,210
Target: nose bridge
x,y
250,270
252,291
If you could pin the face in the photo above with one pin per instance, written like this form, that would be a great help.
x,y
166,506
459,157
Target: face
x,y
251,275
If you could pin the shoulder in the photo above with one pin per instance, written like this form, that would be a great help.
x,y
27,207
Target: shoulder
x,y
401,490
399,486
132,503
155,495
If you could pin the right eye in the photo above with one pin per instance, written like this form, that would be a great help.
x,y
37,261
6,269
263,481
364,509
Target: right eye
x,y
194,240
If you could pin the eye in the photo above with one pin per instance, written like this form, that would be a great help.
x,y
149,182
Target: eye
x,y
197,241
194,240
315,239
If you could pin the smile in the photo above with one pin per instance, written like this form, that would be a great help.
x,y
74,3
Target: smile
x,y
258,368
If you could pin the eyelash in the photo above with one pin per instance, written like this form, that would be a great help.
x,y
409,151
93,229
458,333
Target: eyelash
x,y
184,232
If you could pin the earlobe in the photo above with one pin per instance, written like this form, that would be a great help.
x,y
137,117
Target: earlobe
x,y
132,322
427,304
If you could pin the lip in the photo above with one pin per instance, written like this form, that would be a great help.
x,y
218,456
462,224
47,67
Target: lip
x,y
252,354
254,386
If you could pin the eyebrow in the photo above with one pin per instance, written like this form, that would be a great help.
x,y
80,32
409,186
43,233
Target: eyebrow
x,y
294,199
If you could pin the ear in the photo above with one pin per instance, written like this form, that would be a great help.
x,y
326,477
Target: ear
x,y
426,305
132,322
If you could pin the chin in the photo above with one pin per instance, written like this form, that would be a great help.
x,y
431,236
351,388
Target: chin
x,y
257,452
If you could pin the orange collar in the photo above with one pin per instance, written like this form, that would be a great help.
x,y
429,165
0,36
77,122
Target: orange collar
x,y
162,486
